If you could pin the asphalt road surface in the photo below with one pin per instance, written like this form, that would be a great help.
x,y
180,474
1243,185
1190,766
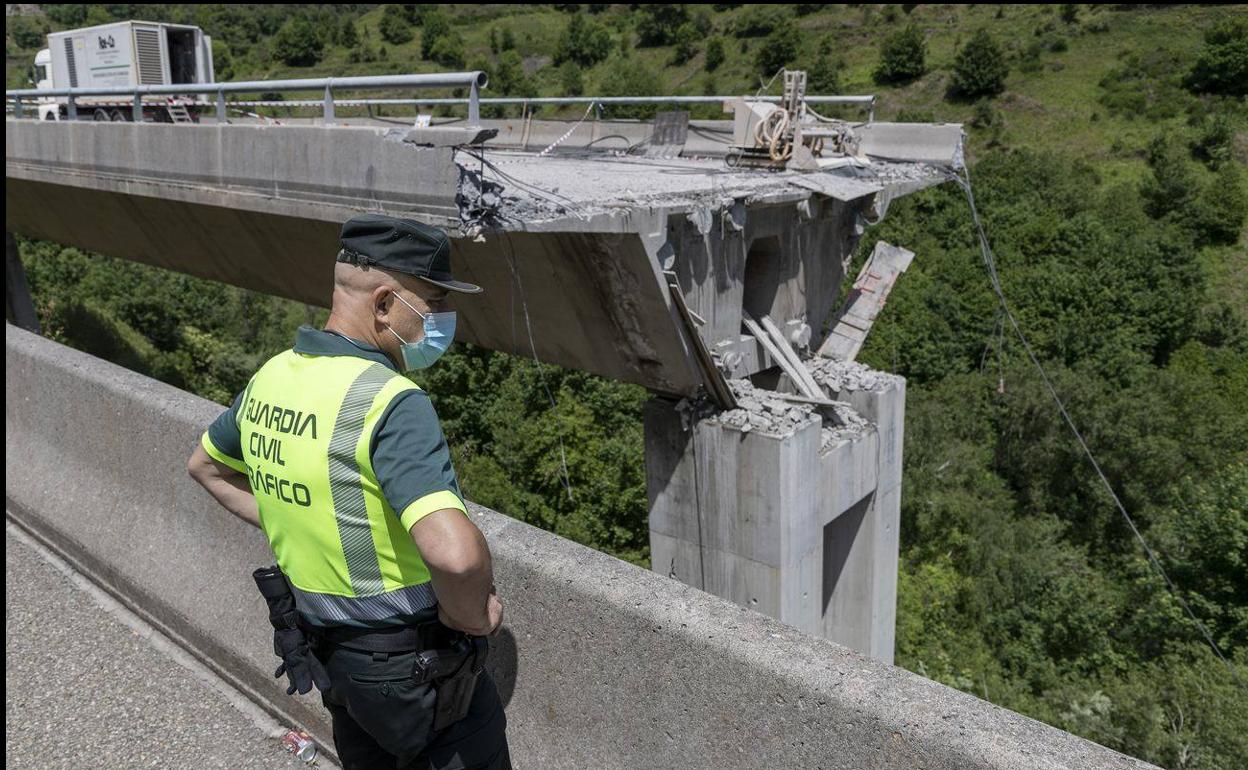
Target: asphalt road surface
x,y
84,688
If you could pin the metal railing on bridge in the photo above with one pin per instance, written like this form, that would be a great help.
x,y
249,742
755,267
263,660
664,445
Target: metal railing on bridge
x,y
473,81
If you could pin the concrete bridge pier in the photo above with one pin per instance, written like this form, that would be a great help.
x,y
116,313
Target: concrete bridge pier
x,y
786,508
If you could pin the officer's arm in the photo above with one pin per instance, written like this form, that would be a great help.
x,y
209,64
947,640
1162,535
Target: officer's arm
x,y
462,571
226,485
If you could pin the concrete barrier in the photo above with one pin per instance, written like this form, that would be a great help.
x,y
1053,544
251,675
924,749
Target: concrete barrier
x,y
604,664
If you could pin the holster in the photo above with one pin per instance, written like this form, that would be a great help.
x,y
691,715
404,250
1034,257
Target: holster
x,y
453,672
276,592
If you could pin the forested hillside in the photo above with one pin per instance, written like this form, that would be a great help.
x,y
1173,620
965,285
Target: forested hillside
x,y
1108,147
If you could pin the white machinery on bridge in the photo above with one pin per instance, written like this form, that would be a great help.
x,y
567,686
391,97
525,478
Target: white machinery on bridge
x,y
790,134
124,55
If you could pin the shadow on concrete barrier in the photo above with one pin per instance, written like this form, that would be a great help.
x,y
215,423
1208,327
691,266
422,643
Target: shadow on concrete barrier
x,y
603,664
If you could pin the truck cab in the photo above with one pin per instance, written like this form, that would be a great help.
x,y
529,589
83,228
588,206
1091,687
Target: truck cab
x,y
48,107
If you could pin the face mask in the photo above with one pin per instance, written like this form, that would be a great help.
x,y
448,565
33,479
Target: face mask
x,y
439,333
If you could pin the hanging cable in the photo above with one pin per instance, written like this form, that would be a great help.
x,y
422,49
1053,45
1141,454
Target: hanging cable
x,y
541,376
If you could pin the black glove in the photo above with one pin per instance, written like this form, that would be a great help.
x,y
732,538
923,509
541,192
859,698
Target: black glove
x,y
289,642
298,663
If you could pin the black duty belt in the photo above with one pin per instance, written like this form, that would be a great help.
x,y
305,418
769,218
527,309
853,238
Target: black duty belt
x,y
425,635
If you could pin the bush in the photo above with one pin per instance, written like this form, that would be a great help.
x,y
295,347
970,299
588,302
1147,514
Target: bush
x,y
980,68
903,56
1222,65
436,26
395,27
1172,187
28,31
585,41
1222,207
298,43
571,79
824,75
508,77
714,53
67,15
779,49
686,42
1212,144
348,37
222,61
759,20
657,23
625,76
448,50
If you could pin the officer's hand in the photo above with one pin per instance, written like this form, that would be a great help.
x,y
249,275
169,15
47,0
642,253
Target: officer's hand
x,y
494,609
494,618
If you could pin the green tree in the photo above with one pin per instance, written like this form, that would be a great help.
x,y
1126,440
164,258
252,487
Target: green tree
x,y
903,56
28,31
760,21
585,41
1221,67
348,37
657,23
395,28
979,69
448,50
1222,207
626,76
779,49
509,78
1214,141
67,15
824,75
714,53
686,41
435,27
298,43
571,79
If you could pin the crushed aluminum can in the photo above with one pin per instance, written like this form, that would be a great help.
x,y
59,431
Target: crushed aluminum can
x,y
300,744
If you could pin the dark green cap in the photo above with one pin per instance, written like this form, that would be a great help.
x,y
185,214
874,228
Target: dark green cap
x,y
403,246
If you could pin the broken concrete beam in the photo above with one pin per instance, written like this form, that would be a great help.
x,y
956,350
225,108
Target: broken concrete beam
x,y
865,301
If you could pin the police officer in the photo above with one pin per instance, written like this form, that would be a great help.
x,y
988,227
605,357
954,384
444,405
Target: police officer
x,y
340,460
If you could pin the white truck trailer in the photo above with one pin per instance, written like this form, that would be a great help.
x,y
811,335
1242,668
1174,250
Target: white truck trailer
x,y
125,54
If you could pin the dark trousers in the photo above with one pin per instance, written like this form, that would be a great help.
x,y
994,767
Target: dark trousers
x,y
383,719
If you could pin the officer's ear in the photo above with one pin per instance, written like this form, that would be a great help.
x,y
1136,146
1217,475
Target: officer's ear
x,y
382,301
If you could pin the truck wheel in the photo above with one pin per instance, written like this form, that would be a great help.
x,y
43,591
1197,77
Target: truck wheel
x,y
100,114
118,116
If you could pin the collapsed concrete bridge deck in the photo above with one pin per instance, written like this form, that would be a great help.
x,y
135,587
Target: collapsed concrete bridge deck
x,y
588,238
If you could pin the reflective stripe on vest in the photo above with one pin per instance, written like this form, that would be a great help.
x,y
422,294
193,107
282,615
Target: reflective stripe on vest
x,y
306,425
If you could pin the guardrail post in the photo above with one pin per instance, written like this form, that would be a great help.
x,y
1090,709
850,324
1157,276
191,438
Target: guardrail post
x,y
329,105
474,105
71,108
17,106
137,109
221,117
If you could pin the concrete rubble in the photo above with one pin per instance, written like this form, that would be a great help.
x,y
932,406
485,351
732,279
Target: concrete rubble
x,y
769,413
839,376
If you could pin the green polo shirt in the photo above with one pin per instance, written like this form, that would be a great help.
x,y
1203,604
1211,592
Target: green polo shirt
x,y
408,451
